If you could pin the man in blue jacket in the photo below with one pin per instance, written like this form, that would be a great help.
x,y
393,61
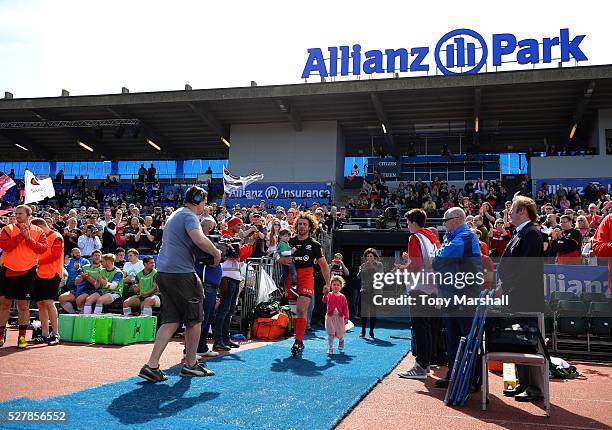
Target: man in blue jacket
x,y
458,255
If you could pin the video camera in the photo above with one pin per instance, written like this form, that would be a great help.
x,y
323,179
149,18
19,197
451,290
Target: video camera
x,y
389,220
230,248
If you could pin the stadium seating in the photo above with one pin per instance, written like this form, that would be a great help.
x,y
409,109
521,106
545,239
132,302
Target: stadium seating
x,y
557,296
600,319
570,317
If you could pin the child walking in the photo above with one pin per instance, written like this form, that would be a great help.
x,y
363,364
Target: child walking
x,y
337,314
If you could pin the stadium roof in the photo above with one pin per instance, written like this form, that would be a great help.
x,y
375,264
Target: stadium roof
x,y
517,108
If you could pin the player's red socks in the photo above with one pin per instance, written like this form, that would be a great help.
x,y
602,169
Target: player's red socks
x,y
299,325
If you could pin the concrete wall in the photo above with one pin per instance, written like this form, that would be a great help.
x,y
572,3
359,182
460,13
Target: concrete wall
x,y
315,154
585,166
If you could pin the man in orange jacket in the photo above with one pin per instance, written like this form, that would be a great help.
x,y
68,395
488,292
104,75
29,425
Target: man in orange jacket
x,y
48,278
22,243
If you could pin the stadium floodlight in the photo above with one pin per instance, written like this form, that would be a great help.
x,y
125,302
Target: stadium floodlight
x,y
225,141
476,124
573,130
384,128
22,147
84,145
153,144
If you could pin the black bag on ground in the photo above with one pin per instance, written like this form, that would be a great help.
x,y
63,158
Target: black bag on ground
x,y
512,334
266,309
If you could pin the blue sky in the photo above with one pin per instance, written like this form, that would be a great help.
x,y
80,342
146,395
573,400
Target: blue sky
x,y
93,47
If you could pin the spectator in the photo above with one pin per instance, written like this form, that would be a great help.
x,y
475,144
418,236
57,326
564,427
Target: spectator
x,y
367,271
567,241
89,241
602,246
59,177
333,222
582,225
146,290
74,266
147,237
130,233
119,257
151,173
593,218
272,237
142,173
484,231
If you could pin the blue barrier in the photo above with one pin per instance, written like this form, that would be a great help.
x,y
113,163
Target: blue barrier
x,y
576,279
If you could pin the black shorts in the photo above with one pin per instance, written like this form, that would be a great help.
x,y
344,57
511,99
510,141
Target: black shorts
x,y
182,296
18,287
46,289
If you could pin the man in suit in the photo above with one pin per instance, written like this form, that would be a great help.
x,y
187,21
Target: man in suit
x,y
521,274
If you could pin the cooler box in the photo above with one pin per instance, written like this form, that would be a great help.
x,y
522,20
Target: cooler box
x,y
66,326
148,329
102,329
128,330
84,329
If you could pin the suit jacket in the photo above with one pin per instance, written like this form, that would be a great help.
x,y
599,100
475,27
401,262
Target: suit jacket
x,y
521,270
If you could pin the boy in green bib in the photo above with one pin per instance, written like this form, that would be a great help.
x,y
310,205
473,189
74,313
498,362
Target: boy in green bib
x,y
146,289
108,284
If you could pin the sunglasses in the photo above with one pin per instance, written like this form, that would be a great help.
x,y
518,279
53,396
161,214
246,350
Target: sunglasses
x,y
444,220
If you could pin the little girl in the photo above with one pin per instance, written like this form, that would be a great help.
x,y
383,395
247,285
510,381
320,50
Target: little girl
x,y
337,314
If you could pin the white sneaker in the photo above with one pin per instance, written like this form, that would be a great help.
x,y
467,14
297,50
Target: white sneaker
x,y
209,354
417,372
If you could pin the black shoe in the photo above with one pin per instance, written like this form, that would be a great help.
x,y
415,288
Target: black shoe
x,y
362,334
53,340
231,344
528,395
40,339
220,346
442,383
372,334
518,390
152,375
197,369
297,348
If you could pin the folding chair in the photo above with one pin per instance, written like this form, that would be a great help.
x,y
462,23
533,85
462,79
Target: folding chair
x,y
538,360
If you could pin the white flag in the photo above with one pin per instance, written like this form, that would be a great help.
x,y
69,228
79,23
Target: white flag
x,y
37,190
233,183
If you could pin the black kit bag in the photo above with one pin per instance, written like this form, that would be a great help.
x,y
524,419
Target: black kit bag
x,y
508,333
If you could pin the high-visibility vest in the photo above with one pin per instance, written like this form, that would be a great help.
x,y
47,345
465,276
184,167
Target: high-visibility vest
x,y
53,268
22,258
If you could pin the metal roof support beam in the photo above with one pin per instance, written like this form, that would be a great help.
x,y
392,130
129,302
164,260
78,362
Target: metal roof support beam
x,y
209,119
77,134
18,137
149,131
385,125
291,113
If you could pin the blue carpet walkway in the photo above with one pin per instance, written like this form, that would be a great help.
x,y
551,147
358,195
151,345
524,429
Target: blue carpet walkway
x,y
262,388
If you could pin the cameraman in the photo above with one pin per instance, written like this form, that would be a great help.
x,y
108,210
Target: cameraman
x,y
89,241
180,287
211,278
230,284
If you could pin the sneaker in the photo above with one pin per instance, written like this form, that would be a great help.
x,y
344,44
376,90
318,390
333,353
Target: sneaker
x,y
220,346
330,351
231,344
417,372
152,375
341,345
196,370
53,340
210,354
40,339
21,342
